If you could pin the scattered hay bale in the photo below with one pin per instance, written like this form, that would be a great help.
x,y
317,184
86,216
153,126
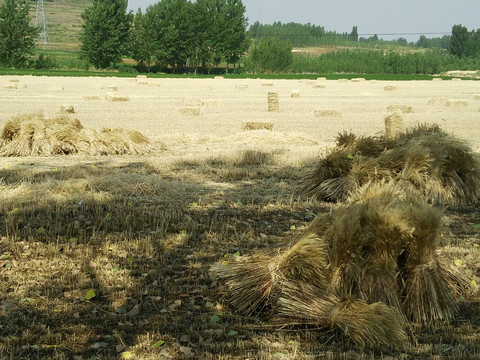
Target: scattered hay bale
x,y
456,79
295,94
351,269
190,111
241,86
35,135
390,88
192,102
91,97
141,76
212,103
21,86
356,80
428,161
67,109
330,113
476,97
437,79
405,109
456,103
95,86
14,80
258,125
342,80
393,125
267,84
10,86
438,101
319,86
58,87
112,88
218,78
273,102
321,79
142,82
114,97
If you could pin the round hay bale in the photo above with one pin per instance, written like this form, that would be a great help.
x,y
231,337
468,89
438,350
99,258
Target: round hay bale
x,y
404,109
328,113
295,94
390,88
273,102
393,125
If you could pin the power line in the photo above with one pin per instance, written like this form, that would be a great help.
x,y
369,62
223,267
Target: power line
x,y
41,22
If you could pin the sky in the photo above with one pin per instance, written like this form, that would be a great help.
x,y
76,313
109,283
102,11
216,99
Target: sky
x,y
408,18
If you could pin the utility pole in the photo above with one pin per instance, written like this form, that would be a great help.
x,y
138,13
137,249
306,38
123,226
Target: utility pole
x,y
41,22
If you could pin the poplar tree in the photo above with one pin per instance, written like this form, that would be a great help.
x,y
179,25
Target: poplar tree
x,y
17,36
106,27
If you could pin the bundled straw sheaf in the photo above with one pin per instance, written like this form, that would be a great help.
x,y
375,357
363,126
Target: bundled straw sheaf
x,y
365,271
424,159
35,135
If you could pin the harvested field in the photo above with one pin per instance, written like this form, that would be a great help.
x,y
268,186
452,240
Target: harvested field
x,y
110,256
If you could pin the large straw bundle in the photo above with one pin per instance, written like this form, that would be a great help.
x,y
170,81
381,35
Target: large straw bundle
x,y
437,165
35,135
364,270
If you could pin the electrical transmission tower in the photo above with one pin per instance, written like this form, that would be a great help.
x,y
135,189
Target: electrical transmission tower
x,y
41,22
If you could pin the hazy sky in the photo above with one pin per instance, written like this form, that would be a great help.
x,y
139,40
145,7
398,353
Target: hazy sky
x,y
432,18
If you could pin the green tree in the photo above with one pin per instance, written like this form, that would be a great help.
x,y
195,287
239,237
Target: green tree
x,y
271,55
17,36
354,34
460,41
234,33
106,27
173,31
141,41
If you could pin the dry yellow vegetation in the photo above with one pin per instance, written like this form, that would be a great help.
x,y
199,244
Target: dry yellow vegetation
x,y
109,256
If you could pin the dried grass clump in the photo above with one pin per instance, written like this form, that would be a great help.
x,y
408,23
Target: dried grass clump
x,y
258,125
35,135
333,113
67,109
364,270
273,102
405,109
425,159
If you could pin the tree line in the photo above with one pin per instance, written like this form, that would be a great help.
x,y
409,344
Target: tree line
x,y
172,35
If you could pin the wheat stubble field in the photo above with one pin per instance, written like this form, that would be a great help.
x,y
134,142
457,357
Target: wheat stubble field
x,y
105,257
